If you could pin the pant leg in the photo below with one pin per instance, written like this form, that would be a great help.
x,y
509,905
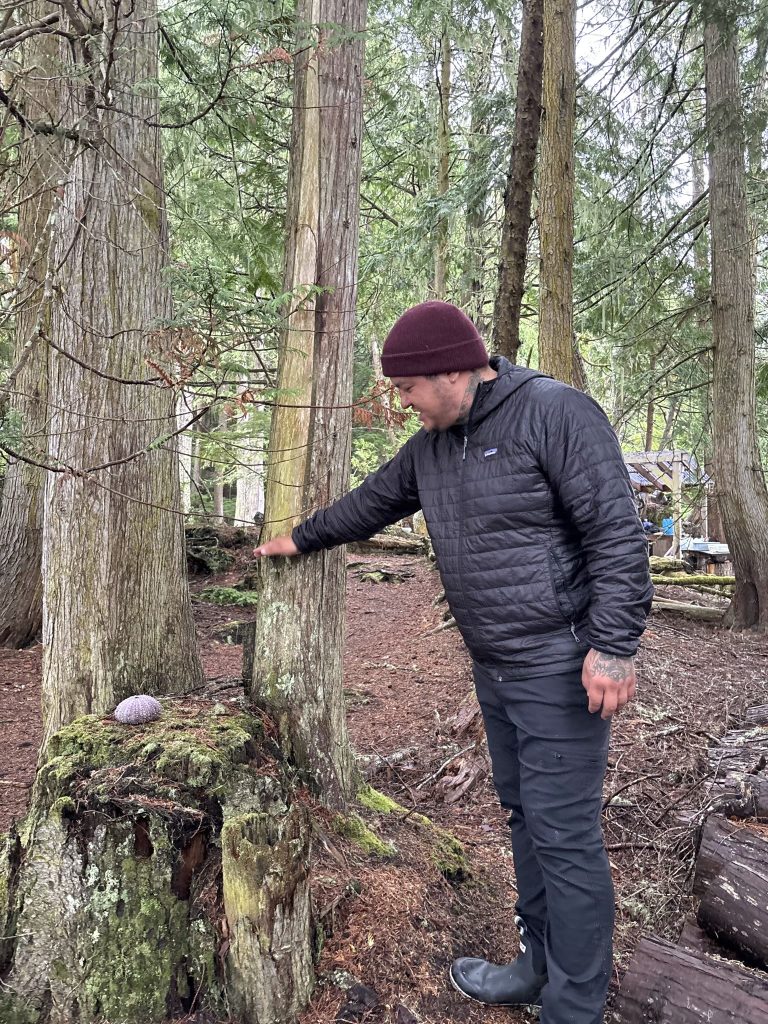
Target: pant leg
x,y
562,752
501,734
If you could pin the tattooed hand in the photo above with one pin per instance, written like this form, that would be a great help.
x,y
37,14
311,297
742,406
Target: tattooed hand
x,y
609,682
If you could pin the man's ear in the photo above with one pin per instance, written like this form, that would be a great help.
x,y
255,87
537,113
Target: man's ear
x,y
453,376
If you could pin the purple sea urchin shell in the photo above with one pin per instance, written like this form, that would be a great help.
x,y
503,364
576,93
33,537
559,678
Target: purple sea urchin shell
x,y
137,710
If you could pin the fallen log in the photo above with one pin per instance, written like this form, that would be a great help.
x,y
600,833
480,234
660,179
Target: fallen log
x,y
740,765
692,611
740,796
690,579
757,715
694,939
388,544
730,879
661,565
741,752
668,985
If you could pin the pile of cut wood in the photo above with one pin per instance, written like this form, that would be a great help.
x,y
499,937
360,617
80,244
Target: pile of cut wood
x,y
718,971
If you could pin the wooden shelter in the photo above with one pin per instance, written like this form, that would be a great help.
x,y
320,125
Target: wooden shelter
x,y
669,472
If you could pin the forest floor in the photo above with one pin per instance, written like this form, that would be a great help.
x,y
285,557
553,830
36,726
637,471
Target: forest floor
x,y
396,922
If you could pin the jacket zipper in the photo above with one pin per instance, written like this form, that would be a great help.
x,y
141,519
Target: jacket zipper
x,y
461,508
556,561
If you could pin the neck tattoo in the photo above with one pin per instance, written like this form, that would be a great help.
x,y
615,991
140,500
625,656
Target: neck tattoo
x,y
469,396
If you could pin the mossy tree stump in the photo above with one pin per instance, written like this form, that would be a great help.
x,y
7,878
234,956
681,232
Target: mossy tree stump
x,y
160,868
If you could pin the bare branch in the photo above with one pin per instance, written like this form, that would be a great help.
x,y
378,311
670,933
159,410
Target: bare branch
x,y
11,37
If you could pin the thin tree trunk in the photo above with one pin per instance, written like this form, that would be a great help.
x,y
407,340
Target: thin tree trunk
x,y
380,383
556,182
650,411
185,444
218,472
519,189
21,510
443,164
669,424
116,612
249,501
741,489
297,668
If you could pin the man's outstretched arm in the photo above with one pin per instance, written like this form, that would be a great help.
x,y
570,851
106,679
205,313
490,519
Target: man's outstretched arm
x,y
384,497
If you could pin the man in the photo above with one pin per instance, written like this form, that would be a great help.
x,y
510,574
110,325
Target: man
x,y
545,568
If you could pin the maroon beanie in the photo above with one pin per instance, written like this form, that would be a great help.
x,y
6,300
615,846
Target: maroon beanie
x,y
433,337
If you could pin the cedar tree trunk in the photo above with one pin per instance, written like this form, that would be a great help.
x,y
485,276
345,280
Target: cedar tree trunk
x,y
21,511
556,177
741,489
443,163
116,612
297,666
519,189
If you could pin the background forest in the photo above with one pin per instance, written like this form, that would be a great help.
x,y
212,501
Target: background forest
x,y
439,105
211,213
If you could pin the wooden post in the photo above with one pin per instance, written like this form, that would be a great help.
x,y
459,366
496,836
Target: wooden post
x,y
677,505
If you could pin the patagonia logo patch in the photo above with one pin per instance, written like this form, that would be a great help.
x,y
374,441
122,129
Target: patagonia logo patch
x,y
489,452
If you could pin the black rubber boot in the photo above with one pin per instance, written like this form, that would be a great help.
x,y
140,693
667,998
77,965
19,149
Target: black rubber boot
x,y
515,984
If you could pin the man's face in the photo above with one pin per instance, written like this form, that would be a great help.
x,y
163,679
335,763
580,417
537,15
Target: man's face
x,y
436,399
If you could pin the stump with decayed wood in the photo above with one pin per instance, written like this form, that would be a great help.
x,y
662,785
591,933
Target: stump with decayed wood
x,y
162,869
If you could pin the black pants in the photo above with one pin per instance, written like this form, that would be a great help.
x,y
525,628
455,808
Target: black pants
x,y
549,757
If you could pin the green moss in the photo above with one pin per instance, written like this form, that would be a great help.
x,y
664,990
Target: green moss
x,y
10,852
15,1011
139,936
177,750
376,801
243,899
229,595
352,827
64,807
447,854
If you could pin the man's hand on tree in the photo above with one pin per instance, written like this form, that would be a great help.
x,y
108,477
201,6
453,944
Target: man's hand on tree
x,y
277,546
609,682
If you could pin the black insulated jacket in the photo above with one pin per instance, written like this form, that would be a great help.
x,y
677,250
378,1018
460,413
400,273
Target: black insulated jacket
x,y
533,522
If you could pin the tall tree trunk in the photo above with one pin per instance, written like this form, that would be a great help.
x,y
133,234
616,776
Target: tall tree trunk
x,y
443,164
477,174
519,189
117,618
297,667
21,511
741,488
556,178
